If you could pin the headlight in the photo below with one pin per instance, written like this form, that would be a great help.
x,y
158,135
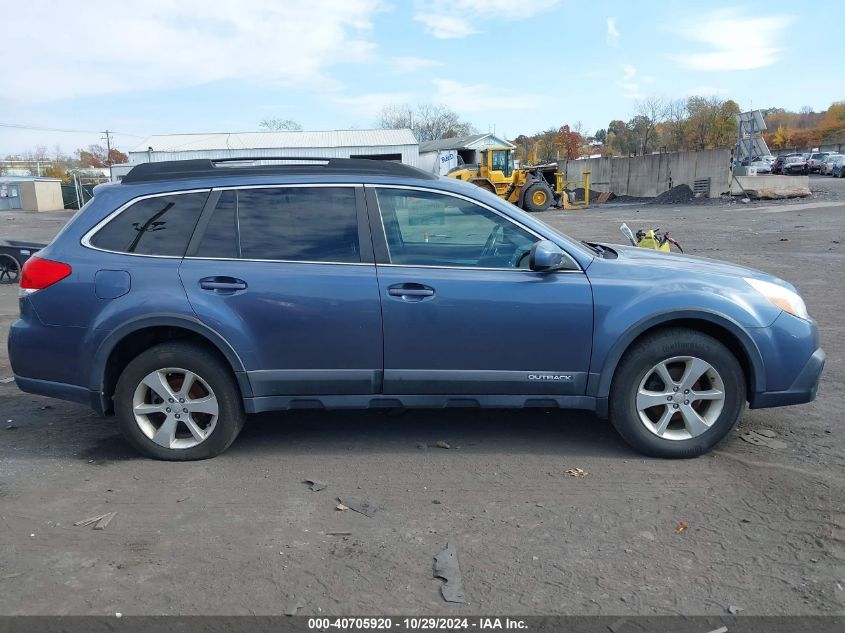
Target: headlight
x,y
783,298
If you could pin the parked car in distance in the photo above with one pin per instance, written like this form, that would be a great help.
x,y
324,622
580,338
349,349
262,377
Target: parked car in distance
x,y
762,166
777,164
795,164
196,292
768,158
827,165
815,161
838,170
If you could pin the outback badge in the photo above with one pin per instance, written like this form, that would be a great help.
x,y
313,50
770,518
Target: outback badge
x,y
555,377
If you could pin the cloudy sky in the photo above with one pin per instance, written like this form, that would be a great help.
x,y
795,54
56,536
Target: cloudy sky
x,y
164,66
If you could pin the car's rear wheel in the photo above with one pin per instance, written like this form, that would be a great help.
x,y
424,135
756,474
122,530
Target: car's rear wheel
x,y
677,393
178,401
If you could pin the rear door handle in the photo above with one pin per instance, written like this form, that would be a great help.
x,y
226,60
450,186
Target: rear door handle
x,y
411,291
222,285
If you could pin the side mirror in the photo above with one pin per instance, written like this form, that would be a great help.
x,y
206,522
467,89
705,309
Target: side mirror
x,y
546,256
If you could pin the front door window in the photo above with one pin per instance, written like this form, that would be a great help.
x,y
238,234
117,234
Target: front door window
x,y
432,229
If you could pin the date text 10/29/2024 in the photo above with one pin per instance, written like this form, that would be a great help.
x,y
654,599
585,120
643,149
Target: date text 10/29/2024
x,y
417,624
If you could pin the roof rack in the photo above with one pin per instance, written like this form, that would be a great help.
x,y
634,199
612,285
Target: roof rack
x,y
257,166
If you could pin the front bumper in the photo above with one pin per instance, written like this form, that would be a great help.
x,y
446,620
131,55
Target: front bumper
x,y
803,388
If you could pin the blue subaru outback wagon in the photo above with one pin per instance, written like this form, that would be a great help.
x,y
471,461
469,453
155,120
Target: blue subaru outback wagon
x,y
196,292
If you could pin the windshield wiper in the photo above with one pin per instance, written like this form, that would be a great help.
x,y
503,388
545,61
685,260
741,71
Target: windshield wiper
x,y
599,250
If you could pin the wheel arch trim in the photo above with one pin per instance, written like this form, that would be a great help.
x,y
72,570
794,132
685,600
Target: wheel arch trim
x,y
110,342
599,383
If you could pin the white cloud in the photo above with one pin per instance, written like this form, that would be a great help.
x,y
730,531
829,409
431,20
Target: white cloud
x,y
706,91
160,44
612,32
445,27
631,82
736,40
410,64
454,19
371,104
471,98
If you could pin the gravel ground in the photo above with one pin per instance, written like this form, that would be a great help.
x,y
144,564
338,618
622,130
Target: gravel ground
x,y
241,534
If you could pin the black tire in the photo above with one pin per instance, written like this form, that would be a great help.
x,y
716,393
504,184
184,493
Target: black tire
x,y
527,200
10,269
205,364
638,362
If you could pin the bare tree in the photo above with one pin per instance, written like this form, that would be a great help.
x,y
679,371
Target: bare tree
x,y
649,113
676,124
279,125
428,122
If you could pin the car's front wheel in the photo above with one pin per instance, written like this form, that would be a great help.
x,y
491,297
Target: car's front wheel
x,y
178,401
677,393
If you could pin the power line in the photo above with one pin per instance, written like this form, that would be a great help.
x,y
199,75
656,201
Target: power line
x,y
19,126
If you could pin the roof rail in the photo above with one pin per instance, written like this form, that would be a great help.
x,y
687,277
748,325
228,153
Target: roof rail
x,y
306,165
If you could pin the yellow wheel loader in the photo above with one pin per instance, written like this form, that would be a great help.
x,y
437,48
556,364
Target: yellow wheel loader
x,y
526,187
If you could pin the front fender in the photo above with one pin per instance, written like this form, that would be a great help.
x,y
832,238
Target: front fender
x,y
602,369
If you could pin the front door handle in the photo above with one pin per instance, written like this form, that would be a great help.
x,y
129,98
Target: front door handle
x,y
222,285
411,292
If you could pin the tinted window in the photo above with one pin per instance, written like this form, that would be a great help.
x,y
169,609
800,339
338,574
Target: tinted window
x,y
155,226
431,229
220,237
299,224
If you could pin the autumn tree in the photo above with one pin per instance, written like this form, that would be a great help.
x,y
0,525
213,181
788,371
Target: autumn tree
x,y
96,156
568,143
524,148
620,139
832,126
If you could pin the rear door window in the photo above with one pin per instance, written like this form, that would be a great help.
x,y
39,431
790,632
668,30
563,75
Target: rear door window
x,y
300,224
316,224
161,225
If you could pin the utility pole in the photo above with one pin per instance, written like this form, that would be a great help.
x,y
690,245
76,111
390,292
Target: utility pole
x,y
107,139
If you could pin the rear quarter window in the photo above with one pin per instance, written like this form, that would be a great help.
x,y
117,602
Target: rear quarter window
x,y
161,225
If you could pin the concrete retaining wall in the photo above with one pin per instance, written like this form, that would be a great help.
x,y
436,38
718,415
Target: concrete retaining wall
x,y
651,175
771,187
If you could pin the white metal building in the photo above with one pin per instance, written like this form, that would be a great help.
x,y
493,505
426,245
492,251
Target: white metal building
x,y
394,145
444,154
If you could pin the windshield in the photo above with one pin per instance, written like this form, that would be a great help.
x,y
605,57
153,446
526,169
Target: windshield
x,y
503,161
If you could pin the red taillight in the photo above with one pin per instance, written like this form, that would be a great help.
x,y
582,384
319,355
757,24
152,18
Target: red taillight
x,y
39,273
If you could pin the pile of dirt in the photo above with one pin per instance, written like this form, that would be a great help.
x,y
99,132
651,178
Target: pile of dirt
x,y
594,195
676,195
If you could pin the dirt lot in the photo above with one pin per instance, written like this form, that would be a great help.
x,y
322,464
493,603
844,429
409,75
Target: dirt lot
x,y
241,534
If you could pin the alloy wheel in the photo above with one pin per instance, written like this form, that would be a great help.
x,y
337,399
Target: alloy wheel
x,y
680,398
175,408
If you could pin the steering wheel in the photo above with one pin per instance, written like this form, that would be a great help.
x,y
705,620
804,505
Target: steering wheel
x,y
519,258
492,239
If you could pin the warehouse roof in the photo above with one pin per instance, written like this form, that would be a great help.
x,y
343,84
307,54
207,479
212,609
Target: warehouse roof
x,y
462,142
270,140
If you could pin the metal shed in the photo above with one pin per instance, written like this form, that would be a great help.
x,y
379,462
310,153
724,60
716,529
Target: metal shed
x,y
31,193
395,145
